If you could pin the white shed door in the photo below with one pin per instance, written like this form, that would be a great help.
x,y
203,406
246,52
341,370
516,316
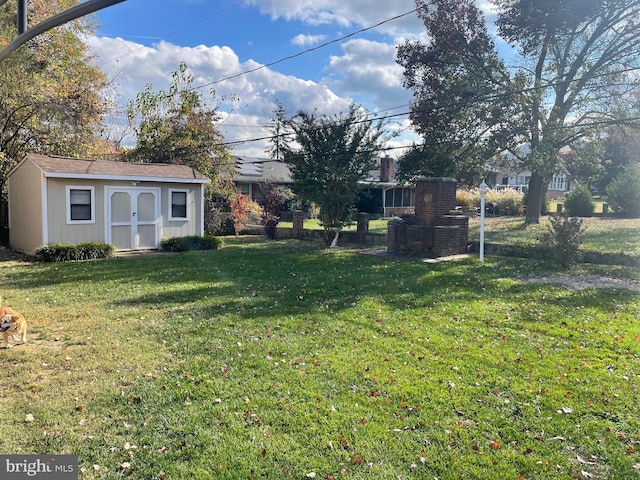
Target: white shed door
x,y
133,216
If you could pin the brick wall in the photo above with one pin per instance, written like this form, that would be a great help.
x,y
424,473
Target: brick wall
x,y
435,197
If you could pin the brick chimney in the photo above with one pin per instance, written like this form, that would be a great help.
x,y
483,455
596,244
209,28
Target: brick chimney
x,y
386,169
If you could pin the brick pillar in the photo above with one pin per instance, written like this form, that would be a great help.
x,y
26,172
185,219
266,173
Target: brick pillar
x,y
435,197
298,223
391,235
363,227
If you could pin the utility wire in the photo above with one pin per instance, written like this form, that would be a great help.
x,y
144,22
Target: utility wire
x,y
304,52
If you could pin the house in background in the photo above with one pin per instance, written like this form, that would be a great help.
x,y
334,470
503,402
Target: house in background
x,y
252,172
504,171
559,185
129,205
381,194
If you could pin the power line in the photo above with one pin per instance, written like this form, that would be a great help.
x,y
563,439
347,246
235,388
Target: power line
x,y
304,52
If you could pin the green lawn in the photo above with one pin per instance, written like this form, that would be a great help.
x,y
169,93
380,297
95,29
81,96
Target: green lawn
x,y
288,360
602,234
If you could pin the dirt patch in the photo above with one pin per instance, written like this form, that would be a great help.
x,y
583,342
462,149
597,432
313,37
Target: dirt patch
x,y
582,282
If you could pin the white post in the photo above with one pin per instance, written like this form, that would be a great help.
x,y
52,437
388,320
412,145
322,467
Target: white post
x,y
483,193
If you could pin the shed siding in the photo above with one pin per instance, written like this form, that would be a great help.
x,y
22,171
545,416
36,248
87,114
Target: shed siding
x,y
38,202
25,217
181,228
62,232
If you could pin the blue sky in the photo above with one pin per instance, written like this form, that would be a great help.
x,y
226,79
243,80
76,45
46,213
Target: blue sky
x,y
144,41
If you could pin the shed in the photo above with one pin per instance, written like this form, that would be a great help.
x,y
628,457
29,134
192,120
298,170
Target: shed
x,y
129,205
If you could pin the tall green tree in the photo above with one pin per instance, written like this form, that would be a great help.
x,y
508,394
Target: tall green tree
x,y
578,70
50,89
179,126
328,158
277,125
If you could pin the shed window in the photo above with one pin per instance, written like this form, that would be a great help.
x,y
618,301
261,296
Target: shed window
x,y
178,207
80,205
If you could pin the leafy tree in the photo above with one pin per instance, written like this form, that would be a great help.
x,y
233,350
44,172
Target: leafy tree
x,y
578,60
330,156
621,149
241,207
624,192
459,83
50,89
579,203
271,198
178,126
279,131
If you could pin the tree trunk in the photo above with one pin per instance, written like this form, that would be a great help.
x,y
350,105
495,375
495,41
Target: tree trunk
x,y
535,197
334,242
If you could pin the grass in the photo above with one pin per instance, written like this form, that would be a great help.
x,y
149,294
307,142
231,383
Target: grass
x,y
601,234
283,360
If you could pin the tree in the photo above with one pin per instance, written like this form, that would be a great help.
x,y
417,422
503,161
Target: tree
x,y
330,156
50,90
621,148
271,198
624,192
459,83
178,126
277,125
241,207
578,71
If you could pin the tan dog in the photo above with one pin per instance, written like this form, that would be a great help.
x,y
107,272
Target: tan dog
x,y
12,324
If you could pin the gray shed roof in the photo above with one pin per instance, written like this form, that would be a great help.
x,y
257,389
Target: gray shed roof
x,y
63,167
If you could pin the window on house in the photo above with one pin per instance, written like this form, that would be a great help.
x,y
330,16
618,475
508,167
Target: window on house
x,y
178,207
80,205
558,182
399,197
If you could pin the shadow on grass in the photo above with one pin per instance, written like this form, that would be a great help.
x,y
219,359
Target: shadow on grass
x,y
253,279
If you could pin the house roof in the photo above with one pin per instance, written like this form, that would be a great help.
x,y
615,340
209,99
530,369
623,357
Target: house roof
x,y
257,170
63,167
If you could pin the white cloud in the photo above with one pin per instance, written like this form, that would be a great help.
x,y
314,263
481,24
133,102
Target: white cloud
x,y
370,68
132,66
345,13
306,40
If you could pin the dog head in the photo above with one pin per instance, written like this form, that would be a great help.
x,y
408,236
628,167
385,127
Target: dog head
x,y
7,322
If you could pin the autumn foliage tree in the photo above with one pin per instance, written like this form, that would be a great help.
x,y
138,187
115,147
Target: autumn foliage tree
x,y
179,126
50,90
242,207
577,70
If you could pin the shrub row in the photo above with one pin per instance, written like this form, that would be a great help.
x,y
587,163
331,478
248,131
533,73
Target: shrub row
x,y
192,242
62,252
507,201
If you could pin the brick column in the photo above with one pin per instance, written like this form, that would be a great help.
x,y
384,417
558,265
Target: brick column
x,y
298,223
435,197
363,227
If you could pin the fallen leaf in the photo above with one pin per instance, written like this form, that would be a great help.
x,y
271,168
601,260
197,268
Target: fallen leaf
x,y
495,444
